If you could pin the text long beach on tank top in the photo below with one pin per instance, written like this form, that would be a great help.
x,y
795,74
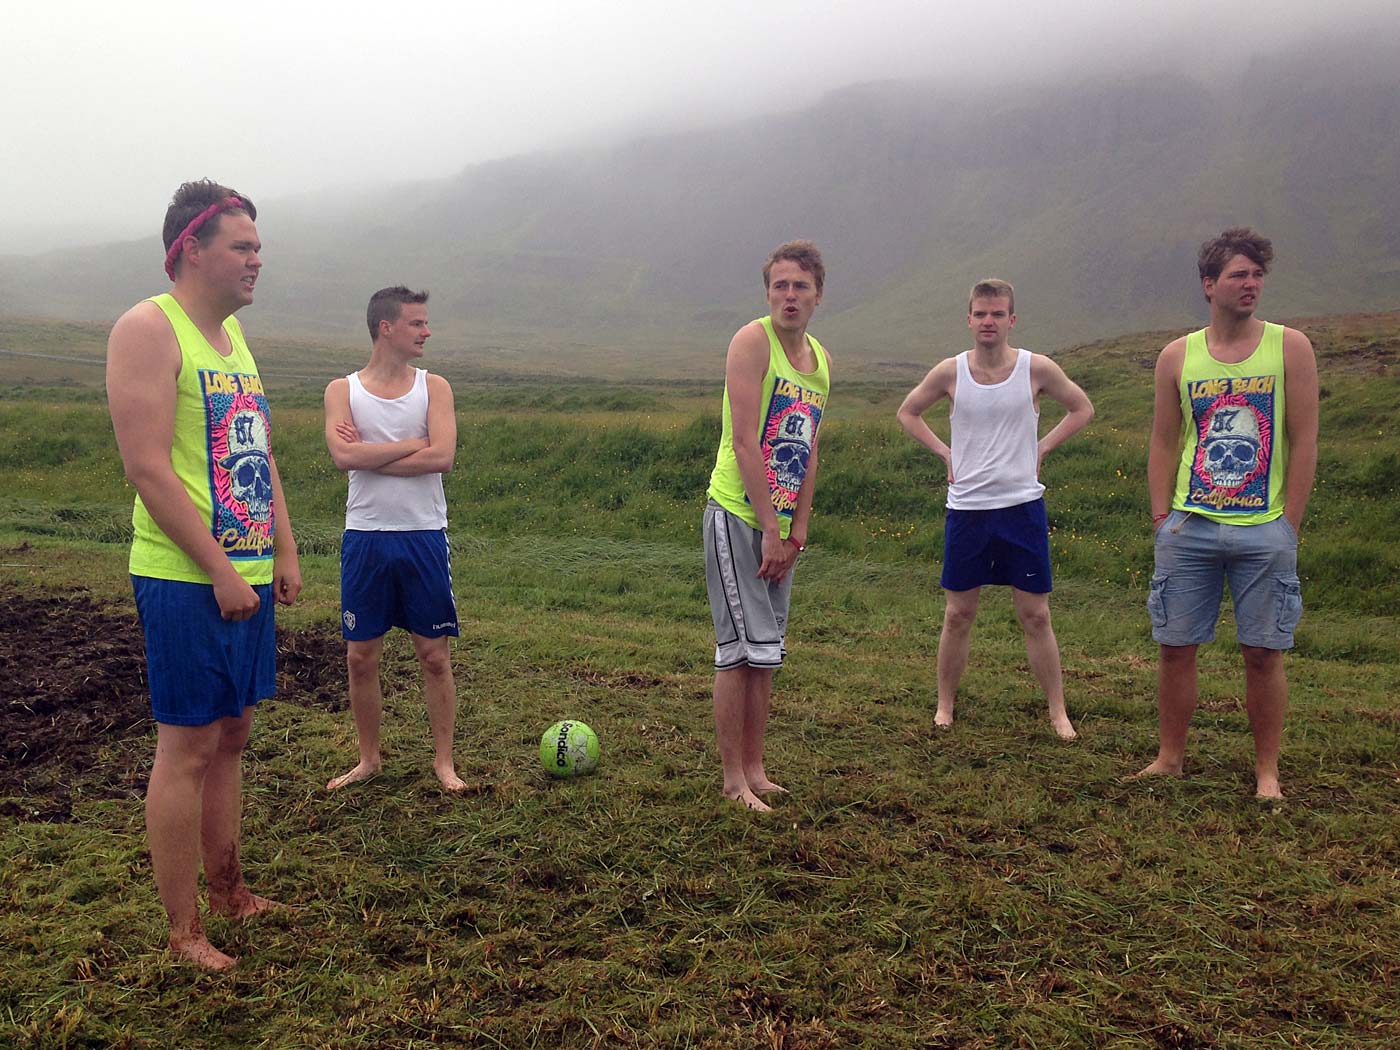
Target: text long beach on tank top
x,y
995,435
381,502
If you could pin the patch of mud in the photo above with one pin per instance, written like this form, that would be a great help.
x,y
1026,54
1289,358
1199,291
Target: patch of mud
x,y
73,682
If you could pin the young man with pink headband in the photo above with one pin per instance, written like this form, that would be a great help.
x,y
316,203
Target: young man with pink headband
x,y
213,547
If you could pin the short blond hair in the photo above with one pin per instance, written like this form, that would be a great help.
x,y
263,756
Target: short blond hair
x,y
992,288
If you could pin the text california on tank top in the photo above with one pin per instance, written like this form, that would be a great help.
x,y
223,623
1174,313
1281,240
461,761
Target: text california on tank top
x,y
995,437
381,502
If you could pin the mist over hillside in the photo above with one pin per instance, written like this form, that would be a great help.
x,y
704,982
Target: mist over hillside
x,y
1090,195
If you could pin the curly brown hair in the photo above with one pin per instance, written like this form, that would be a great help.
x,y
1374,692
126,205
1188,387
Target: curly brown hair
x,y
1237,240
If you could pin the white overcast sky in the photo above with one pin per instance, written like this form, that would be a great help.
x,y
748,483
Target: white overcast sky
x,y
106,106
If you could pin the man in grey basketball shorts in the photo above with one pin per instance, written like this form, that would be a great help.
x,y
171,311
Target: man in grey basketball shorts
x,y
776,380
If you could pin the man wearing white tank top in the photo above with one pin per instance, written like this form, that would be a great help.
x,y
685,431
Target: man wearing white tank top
x,y
996,531
392,428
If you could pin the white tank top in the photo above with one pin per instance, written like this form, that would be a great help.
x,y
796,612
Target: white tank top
x,y
379,502
995,434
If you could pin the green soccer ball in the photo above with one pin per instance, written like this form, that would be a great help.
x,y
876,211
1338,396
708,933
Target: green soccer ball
x,y
569,749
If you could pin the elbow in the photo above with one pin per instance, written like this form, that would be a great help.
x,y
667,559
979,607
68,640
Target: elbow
x,y
144,476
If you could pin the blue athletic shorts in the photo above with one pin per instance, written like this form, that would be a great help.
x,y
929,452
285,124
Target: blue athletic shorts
x,y
1008,546
202,667
396,579
1194,558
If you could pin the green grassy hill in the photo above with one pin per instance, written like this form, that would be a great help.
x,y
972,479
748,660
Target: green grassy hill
x,y
1090,194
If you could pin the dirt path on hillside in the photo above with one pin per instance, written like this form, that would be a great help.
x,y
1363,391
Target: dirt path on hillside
x,y
73,683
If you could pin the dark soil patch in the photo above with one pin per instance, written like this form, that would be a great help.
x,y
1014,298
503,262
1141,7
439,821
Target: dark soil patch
x,y
73,680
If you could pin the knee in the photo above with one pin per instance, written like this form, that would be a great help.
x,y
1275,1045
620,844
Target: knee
x,y
190,757
436,663
958,621
1178,657
1260,661
233,736
1034,621
361,664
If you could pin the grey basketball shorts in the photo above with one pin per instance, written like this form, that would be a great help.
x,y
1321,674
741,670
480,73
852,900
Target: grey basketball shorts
x,y
750,614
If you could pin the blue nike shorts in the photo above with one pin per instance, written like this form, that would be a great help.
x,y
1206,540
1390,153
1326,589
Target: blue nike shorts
x,y
1008,546
396,579
201,667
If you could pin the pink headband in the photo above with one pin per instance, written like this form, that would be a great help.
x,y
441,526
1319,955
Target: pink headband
x,y
178,245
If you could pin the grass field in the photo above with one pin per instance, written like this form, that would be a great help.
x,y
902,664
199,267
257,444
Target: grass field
x,y
986,887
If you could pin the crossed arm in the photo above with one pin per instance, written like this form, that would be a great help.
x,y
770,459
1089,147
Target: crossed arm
x,y
407,458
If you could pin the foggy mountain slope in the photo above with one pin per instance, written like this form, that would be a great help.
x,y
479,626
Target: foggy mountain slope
x,y
1091,196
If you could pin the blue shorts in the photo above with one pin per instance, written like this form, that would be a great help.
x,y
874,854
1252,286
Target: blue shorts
x,y
1194,557
202,667
1009,546
396,579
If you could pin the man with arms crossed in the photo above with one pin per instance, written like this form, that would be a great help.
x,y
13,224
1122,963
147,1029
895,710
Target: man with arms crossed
x,y
212,550
996,531
776,380
1230,468
391,426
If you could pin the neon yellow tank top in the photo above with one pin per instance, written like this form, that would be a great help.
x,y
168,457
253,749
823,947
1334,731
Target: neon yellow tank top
x,y
1234,444
793,403
220,453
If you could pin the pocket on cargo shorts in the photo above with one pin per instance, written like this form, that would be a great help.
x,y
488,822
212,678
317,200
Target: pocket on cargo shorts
x,y
1290,602
1156,599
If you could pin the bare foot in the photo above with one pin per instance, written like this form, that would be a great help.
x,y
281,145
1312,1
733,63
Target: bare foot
x,y
1267,789
943,719
747,798
363,771
450,781
194,948
1159,769
1064,728
759,783
241,904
